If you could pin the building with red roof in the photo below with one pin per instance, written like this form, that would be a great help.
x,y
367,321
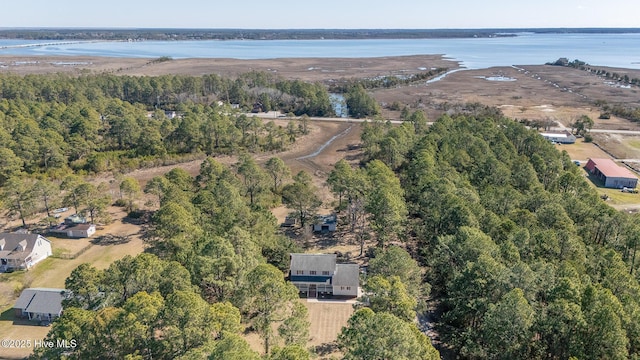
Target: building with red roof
x,y
613,175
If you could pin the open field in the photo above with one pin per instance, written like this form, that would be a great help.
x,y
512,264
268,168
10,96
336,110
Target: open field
x,y
327,320
582,151
620,146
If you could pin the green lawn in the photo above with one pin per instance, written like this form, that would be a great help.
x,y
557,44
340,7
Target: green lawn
x,y
616,196
634,143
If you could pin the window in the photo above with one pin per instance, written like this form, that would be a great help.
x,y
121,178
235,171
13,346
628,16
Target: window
x,y
312,272
299,272
325,273
348,287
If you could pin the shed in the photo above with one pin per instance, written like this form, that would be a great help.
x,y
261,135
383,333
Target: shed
x,y
325,223
613,175
81,231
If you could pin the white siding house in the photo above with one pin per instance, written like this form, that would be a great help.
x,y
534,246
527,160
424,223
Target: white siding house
x,y
319,274
22,251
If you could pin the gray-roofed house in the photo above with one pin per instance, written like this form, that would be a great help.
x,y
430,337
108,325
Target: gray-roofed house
x,y
40,304
315,274
22,251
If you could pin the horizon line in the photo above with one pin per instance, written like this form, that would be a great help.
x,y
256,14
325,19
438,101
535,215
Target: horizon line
x,y
313,29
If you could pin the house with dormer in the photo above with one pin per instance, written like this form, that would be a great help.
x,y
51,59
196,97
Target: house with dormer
x,y
320,274
22,251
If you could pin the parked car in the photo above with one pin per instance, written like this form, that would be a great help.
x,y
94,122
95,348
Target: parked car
x,y
630,190
60,210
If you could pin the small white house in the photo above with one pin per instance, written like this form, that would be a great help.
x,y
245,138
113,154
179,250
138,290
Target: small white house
x,y
317,274
42,304
22,251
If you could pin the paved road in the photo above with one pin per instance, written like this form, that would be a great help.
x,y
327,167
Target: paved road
x,y
601,131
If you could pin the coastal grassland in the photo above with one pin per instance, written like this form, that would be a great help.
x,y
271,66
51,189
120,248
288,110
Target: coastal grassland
x,y
620,146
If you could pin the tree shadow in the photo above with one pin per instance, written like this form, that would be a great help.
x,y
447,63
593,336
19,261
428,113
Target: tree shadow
x,y
9,315
110,239
326,348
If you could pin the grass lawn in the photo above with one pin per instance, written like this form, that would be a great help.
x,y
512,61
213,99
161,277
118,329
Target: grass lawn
x,y
327,320
615,196
634,143
582,150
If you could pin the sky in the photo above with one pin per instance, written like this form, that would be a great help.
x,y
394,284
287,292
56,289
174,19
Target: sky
x,y
320,14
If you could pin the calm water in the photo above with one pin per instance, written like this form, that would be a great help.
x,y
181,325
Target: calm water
x,y
617,50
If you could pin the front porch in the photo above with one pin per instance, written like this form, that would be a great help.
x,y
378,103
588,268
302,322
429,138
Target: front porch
x,y
314,290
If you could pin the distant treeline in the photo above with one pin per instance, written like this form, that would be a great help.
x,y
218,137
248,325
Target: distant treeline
x,y
609,75
344,85
283,34
249,34
626,112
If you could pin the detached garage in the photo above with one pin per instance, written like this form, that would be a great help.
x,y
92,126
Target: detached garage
x,y
613,175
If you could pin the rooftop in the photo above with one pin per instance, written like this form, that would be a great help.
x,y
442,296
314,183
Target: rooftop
x,y
326,219
16,246
318,262
558,135
347,275
609,168
83,226
41,300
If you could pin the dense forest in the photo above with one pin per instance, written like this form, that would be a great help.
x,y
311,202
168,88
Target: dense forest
x,y
522,259
215,267
214,259
93,123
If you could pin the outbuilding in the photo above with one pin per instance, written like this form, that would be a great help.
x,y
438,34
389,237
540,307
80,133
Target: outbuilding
x,y
325,223
611,174
81,231
560,137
